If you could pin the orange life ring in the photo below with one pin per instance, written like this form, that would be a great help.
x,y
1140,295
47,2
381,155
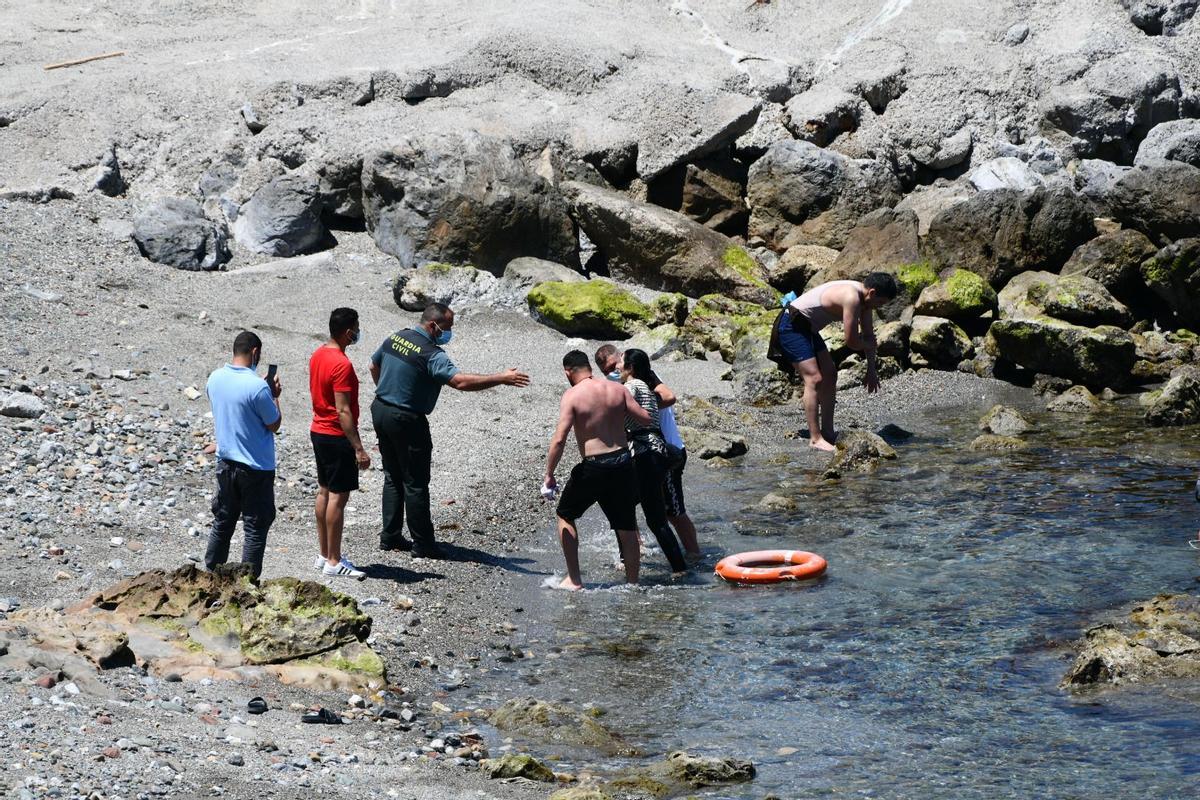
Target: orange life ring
x,y
770,566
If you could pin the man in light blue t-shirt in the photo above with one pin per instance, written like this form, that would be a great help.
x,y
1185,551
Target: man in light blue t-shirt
x,y
245,417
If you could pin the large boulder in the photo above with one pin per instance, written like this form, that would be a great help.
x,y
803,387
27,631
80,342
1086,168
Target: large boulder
x,y
1016,299
1114,104
463,199
958,295
455,286
1114,259
795,268
759,381
596,309
713,194
801,194
22,405
1098,357
175,232
1074,298
527,271
1173,274
938,343
663,249
1160,17
681,125
283,218
1178,140
1178,403
1001,233
1162,200
882,240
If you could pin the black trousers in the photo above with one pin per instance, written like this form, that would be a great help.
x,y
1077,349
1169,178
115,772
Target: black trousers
x,y
407,451
247,493
651,471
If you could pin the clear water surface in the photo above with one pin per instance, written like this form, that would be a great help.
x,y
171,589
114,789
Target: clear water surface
x,y
926,663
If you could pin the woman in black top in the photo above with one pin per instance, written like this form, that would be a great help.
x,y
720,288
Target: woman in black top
x,y
650,457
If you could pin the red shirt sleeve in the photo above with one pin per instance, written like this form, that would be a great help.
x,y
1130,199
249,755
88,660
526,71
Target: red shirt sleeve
x,y
344,377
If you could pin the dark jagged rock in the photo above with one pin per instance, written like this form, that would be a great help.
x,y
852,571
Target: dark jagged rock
x,y
175,232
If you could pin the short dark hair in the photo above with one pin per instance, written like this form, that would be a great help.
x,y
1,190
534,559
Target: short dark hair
x,y
576,359
342,320
436,312
604,353
246,341
883,284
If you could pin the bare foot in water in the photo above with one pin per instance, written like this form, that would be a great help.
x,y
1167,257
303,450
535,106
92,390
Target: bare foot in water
x,y
570,585
821,444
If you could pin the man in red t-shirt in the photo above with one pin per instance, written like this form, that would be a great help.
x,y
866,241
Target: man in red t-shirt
x,y
336,445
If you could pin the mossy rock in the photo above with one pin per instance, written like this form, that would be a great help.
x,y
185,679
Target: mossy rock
x,y
669,309
957,295
741,262
719,323
938,343
1004,421
517,765
355,658
1076,400
295,619
596,309
1173,274
913,278
1097,357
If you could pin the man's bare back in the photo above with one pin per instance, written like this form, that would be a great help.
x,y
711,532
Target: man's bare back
x,y
597,411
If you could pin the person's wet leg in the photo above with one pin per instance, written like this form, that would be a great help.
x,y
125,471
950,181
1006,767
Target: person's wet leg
x,y
568,537
813,388
827,395
632,556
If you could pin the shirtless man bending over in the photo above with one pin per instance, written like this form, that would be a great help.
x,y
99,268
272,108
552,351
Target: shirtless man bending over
x,y
799,336
596,410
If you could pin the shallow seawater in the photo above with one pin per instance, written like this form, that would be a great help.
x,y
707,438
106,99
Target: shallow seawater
x,y
926,662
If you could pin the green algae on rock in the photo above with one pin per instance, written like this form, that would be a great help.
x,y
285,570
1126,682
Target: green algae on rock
x,y
913,278
957,295
1097,357
597,309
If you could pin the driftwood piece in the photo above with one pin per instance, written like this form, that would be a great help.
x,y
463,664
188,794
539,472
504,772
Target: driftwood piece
x,y
77,61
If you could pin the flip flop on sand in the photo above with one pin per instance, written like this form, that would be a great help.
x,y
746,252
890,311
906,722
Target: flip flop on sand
x,y
322,716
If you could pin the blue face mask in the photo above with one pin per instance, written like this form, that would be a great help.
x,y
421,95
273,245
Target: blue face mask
x,y
615,375
357,335
443,338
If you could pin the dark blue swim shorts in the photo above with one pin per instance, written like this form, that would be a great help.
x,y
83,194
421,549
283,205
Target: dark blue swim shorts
x,y
799,344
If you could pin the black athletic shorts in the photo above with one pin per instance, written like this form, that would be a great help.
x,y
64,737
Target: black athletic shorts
x,y
607,479
337,469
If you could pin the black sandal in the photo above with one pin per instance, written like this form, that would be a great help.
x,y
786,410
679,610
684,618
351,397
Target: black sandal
x,y
322,716
257,705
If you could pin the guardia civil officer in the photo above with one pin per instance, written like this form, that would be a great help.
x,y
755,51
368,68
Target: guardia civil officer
x,y
409,369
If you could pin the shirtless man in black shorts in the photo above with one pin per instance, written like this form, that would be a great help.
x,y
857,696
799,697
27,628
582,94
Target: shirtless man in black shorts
x,y
596,410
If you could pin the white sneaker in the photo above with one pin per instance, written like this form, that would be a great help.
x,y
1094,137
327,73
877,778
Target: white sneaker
x,y
319,563
345,569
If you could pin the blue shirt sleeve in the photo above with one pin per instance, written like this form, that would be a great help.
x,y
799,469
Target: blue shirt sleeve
x,y
441,368
264,405
377,356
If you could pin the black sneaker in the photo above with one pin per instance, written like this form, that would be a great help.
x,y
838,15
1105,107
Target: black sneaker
x,y
429,551
401,545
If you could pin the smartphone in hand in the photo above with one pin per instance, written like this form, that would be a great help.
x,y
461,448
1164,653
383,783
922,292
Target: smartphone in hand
x,y
271,370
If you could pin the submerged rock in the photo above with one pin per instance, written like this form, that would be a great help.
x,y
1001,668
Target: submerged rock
x,y
995,442
681,772
517,765
556,724
1159,639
